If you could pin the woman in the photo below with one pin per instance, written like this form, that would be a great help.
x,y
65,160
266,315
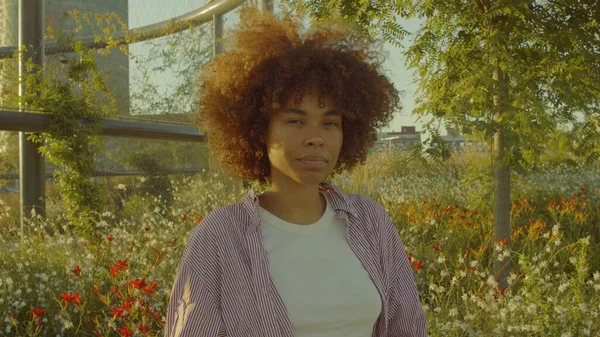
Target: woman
x,y
303,258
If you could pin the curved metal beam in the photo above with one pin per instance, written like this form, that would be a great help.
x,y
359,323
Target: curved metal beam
x,y
175,25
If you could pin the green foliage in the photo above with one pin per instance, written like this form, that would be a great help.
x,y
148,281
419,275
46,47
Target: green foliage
x,y
376,18
77,107
155,180
77,100
550,61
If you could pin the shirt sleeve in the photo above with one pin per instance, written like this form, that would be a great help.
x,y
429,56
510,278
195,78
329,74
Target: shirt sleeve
x,y
406,314
194,308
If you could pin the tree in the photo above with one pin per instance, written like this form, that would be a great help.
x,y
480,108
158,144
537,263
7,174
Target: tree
x,y
514,70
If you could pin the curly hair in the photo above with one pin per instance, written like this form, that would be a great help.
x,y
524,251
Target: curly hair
x,y
266,60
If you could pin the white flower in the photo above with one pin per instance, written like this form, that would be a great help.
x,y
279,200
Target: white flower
x,y
68,324
557,242
453,312
474,263
586,241
9,282
121,187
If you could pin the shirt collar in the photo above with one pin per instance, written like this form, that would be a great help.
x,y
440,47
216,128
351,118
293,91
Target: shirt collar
x,y
339,202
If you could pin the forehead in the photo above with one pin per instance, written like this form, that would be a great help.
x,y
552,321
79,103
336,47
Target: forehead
x,y
309,96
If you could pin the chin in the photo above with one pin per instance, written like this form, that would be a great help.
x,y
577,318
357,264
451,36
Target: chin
x,y
311,179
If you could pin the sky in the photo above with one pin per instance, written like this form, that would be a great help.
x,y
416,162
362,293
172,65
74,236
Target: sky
x,y
144,12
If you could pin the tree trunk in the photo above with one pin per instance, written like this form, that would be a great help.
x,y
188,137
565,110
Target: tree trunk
x,y
502,266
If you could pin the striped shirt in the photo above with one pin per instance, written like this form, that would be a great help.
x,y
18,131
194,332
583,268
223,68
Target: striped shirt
x,y
223,285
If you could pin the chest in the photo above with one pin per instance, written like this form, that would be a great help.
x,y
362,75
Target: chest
x,y
281,286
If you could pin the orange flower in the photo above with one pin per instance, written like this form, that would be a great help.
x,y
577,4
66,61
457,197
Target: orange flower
x,y
77,270
110,238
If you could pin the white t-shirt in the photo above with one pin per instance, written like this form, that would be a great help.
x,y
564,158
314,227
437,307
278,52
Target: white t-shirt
x,y
325,288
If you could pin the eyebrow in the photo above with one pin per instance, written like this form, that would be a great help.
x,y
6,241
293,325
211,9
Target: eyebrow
x,y
304,113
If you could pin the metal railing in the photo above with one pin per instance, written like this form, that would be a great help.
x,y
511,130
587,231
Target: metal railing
x,y
36,122
195,18
31,34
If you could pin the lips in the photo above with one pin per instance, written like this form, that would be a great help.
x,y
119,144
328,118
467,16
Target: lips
x,y
313,159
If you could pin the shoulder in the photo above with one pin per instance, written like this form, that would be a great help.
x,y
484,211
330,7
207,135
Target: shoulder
x,y
209,235
218,224
365,207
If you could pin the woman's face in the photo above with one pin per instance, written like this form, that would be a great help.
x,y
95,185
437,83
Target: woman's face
x,y
304,139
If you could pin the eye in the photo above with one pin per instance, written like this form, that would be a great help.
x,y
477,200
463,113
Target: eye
x,y
295,121
332,124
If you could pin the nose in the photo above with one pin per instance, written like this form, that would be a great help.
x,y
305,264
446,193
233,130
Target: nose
x,y
314,138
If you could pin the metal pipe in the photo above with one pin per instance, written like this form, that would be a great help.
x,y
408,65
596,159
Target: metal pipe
x,y
269,5
163,28
98,173
31,164
217,34
31,122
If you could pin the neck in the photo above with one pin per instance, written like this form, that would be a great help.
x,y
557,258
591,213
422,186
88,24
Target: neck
x,y
302,205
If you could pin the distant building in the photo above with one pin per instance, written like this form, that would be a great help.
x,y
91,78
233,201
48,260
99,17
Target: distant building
x,y
407,138
114,66
459,142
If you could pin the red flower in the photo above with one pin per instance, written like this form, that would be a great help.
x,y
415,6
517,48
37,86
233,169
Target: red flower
x,y
502,242
184,217
199,219
110,238
150,291
71,298
436,248
37,313
418,265
77,270
145,329
120,309
125,331
139,283
119,266
158,318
